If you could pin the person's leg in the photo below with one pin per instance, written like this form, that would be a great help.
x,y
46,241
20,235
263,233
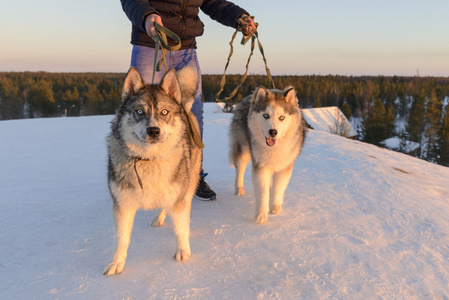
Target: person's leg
x,y
179,60
142,58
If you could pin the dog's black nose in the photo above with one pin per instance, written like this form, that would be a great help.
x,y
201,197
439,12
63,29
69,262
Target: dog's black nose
x,y
273,132
153,131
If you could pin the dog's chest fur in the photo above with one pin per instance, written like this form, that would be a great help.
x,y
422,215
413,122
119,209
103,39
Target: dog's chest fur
x,y
164,181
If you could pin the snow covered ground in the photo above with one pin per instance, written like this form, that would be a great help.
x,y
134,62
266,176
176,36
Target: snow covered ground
x,y
359,222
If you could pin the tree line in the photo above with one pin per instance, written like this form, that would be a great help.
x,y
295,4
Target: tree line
x,y
380,107
42,94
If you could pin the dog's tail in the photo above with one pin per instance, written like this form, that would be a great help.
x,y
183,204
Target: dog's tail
x,y
188,81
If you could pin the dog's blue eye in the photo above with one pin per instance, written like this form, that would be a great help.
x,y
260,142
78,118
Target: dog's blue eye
x,y
266,116
282,118
164,112
140,111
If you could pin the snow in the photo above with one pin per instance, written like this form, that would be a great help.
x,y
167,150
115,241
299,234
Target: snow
x,y
325,119
359,222
394,143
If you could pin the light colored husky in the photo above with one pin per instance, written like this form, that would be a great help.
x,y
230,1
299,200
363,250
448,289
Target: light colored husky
x,y
153,160
267,129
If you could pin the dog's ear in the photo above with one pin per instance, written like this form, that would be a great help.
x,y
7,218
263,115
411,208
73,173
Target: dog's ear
x,y
133,83
290,96
260,95
170,85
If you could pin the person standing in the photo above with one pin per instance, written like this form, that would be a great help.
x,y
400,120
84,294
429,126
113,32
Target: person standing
x,y
181,17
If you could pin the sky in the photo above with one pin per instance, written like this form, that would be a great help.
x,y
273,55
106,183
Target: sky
x,y
300,37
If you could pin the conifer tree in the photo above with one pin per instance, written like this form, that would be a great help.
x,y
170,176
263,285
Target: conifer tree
x,y
416,121
11,105
444,149
374,126
42,99
346,110
390,120
433,126
92,101
317,102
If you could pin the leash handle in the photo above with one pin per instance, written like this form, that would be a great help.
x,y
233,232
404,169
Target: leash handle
x,y
244,23
162,34
161,42
246,37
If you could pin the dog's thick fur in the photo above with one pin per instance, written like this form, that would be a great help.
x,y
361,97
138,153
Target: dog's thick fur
x,y
153,161
267,129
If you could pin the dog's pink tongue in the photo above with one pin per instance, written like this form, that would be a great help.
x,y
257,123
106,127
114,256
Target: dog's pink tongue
x,y
271,142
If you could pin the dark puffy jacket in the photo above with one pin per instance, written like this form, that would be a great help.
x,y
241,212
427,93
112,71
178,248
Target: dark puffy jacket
x,y
180,16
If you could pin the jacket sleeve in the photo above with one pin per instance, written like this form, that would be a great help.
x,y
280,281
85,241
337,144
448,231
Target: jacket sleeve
x,y
137,10
223,11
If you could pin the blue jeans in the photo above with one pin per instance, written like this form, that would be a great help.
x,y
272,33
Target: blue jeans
x,y
142,59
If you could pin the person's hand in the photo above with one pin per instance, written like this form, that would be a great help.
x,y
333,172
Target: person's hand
x,y
150,20
247,29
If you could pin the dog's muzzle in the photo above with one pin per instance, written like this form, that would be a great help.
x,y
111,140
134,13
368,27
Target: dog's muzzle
x,y
271,140
153,131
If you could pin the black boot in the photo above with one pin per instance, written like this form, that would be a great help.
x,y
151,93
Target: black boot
x,y
203,190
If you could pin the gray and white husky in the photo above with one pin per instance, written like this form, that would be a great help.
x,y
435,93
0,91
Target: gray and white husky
x,y
153,160
267,129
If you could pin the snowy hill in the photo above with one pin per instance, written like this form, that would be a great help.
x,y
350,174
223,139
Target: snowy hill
x,y
327,118
359,222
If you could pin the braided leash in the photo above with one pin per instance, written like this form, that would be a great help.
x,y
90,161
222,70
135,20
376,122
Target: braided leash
x,y
246,37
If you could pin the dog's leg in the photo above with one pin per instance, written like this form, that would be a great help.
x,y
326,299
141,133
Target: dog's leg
x,y
124,219
262,182
160,218
181,222
280,182
240,168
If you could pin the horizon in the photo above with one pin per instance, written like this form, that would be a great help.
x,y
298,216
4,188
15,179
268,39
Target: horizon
x,y
349,38
233,74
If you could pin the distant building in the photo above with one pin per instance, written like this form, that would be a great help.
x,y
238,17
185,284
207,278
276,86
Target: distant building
x,y
329,119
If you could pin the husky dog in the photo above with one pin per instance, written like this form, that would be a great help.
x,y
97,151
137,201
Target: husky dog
x,y
153,160
269,130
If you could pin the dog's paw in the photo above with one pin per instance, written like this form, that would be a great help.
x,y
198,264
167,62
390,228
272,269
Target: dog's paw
x,y
275,209
240,191
159,219
261,218
114,268
182,255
